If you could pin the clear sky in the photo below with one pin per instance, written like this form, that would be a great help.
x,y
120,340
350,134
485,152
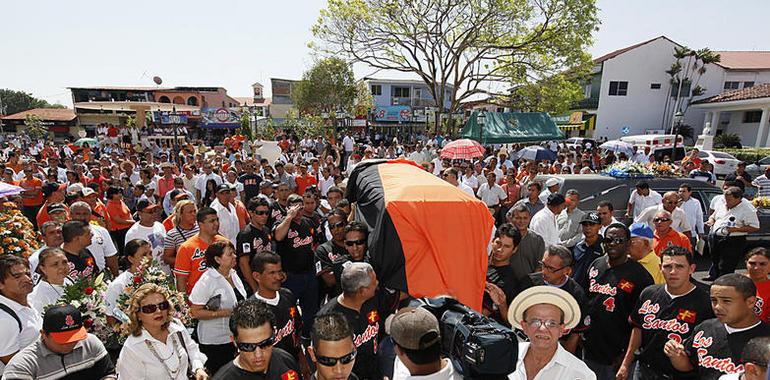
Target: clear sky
x,y
46,46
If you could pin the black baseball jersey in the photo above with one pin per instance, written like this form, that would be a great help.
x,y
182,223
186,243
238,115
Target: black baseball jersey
x,y
504,278
251,183
714,352
82,265
612,295
251,241
662,318
366,330
570,286
282,366
288,321
296,249
277,213
331,257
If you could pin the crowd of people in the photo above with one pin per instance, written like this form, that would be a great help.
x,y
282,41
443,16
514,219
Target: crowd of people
x,y
275,268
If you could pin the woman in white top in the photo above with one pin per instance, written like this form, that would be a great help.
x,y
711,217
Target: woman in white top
x,y
135,251
213,299
159,346
53,270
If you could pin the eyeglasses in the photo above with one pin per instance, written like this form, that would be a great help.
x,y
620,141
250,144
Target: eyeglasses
x,y
261,212
331,362
550,268
251,347
617,240
149,309
661,220
351,243
337,225
538,323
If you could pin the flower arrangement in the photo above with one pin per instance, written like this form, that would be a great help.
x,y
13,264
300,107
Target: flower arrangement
x,y
627,169
664,170
761,202
87,295
17,234
150,272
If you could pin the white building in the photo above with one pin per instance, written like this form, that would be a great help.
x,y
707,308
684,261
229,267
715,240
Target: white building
x,y
630,87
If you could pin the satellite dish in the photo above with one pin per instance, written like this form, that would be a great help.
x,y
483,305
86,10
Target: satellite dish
x,y
157,80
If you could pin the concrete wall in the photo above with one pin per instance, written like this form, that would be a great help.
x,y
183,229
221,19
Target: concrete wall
x,y
747,131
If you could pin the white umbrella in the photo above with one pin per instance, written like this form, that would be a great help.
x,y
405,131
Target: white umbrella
x,y
618,146
8,189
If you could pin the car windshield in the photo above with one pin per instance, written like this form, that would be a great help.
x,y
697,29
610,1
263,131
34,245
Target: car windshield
x,y
722,155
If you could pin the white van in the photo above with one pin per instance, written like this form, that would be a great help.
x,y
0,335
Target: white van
x,y
660,145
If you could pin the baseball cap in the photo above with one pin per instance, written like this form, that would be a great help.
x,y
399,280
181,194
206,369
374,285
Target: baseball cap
x,y
88,191
65,324
544,294
55,207
413,328
641,230
555,199
591,217
551,182
223,187
75,188
145,206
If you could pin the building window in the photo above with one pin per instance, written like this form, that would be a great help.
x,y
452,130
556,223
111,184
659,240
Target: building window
x,y
400,92
752,117
618,88
376,89
164,99
684,92
192,101
654,86
732,85
748,84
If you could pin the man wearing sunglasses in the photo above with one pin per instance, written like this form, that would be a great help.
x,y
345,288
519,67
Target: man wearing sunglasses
x,y
253,333
614,285
253,239
333,350
679,220
665,236
332,251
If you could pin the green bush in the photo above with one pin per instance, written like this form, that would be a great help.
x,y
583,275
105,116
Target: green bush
x,y
747,154
727,140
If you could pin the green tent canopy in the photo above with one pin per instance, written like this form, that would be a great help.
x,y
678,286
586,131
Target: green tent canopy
x,y
511,127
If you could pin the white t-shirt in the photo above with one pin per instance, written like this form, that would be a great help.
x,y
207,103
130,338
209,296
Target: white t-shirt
x,y
101,245
347,143
45,294
11,340
154,235
211,284
641,202
115,290
400,372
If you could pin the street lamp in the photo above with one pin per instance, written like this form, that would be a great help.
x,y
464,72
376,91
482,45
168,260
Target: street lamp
x,y
678,117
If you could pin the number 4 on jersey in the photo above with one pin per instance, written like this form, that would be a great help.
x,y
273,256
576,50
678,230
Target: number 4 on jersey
x,y
609,304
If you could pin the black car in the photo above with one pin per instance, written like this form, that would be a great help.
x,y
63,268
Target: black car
x,y
594,188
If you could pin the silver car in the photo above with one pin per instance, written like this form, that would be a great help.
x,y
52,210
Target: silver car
x,y
758,168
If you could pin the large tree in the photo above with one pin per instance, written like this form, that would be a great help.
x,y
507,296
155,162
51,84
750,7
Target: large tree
x,y
12,102
461,49
326,88
555,94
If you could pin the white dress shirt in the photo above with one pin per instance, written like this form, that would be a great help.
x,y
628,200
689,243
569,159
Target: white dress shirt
x,y
641,202
692,208
470,181
544,224
467,189
136,361
211,284
491,196
563,365
744,213
228,220
679,220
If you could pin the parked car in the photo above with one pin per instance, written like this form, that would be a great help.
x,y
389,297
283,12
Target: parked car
x,y
595,187
574,142
758,168
724,163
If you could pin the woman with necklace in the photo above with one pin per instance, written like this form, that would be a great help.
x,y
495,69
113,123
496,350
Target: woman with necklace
x,y
159,346
213,299
53,270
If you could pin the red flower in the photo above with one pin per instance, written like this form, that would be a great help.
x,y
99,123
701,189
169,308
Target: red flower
x,y
88,323
137,280
88,290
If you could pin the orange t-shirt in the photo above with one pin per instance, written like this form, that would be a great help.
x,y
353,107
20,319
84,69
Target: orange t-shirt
x,y
304,182
33,191
120,210
190,259
762,307
242,213
42,215
673,237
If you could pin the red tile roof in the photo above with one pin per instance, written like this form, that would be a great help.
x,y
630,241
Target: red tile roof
x,y
625,49
51,114
745,60
755,92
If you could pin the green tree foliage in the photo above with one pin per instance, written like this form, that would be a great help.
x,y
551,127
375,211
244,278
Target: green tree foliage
x,y
461,49
35,128
328,87
12,102
554,94
246,126
727,140
364,101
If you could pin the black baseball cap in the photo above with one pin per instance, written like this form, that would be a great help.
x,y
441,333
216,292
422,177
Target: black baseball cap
x,y
65,324
591,217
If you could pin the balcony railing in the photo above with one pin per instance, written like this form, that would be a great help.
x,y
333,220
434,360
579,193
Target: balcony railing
x,y
414,102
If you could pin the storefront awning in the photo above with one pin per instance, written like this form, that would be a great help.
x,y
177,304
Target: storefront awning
x,y
576,121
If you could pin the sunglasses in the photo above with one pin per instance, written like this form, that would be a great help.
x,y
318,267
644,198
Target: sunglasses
x,y
337,225
617,240
351,243
331,362
261,212
661,220
149,309
251,347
